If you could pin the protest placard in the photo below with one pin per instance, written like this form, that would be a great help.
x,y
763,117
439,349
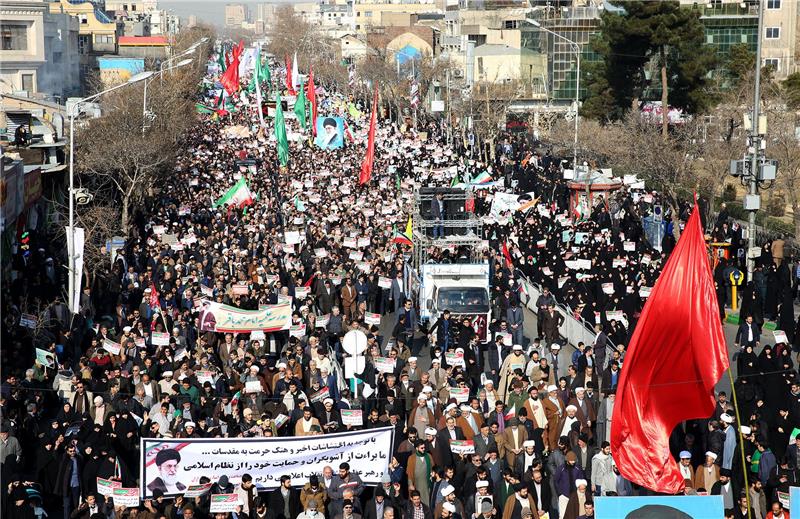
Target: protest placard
x,y
252,386
462,446
193,491
385,364
28,321
223,503
125,497
205,376
45,358
320,395
159,339
352,417
105,487
454,358
111,346
461,394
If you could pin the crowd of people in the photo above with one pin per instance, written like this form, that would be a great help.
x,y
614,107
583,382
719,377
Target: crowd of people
x,y
539,411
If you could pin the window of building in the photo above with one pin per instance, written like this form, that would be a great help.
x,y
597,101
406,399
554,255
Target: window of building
x,y
103,38
15,37
773,4
773,63
83,18
773,33
27,82
368,14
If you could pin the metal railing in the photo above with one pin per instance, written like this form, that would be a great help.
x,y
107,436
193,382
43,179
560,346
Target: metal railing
x,y
573,330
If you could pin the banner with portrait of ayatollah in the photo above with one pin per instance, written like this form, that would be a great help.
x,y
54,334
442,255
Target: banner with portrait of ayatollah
x,y
216,317
172,466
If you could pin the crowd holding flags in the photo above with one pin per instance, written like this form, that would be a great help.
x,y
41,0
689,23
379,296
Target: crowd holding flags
x,y
238,63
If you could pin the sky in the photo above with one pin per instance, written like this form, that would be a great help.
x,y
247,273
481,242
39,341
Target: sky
x,y
209,11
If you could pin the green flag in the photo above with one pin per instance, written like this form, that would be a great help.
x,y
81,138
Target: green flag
x,y
300,108
280,132
455,180
203,109
221,57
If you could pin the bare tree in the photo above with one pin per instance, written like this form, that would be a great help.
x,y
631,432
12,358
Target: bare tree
x,y
132,150
783,146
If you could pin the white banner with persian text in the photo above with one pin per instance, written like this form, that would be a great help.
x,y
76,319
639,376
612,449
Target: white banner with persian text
x,y
174,465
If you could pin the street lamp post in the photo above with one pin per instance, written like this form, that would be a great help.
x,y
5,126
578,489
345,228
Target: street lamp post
x,y
190,50
577,49
72,283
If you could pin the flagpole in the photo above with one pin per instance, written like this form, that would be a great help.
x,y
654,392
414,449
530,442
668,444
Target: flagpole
x,y
741,442
414,79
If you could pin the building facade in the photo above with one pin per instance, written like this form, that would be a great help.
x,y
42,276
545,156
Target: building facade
x,y
39,50
235,15
728,23
97,33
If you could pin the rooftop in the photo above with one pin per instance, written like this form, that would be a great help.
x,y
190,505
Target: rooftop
x,y
144,40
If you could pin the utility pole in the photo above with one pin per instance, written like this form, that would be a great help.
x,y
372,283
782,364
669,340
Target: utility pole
x,y
754,149
754,171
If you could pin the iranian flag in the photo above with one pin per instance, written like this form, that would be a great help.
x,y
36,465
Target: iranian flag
x,y
239,195
483,178
511,413
235,399
401,238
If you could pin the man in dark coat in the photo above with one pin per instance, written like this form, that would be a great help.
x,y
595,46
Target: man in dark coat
x,y
415,505
284,501
68,480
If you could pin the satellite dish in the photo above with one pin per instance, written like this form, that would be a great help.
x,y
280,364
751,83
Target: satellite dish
x,y
354,342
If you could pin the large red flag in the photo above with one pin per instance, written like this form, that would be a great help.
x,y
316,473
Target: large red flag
x,y
230,79
675,357
289,86
311,94
366,166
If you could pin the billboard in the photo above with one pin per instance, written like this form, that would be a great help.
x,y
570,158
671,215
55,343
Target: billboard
x,y
330,132
174,465
659,507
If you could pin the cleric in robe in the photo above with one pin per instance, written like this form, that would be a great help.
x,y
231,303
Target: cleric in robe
x,y
167,480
